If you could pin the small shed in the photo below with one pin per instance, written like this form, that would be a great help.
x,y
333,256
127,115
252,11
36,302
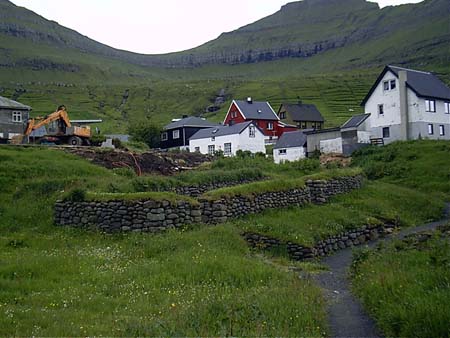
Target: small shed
x,y
290,147
355,134
13,118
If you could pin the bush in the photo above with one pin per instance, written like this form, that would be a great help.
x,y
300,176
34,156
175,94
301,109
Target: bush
x,y
76,195
97,139
147,132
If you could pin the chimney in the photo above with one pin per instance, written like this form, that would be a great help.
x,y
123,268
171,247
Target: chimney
x,y
404,110
249,100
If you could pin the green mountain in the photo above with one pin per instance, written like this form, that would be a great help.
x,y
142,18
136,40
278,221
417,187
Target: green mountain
x,y
325,51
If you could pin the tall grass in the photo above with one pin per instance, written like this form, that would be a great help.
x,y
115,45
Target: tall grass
x,y
407,289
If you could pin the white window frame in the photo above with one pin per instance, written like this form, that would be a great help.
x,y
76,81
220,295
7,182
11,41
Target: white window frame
x,y
17,117
252,131
176,134
282,152
227,148
430,129
430,106
447,107
282,115
441,130
385,86
211,149
381,109
270,126
164,136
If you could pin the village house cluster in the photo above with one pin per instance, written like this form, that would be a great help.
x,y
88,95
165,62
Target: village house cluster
x,y
403,104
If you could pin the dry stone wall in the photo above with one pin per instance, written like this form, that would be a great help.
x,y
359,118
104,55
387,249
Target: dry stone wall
x,y
198,190
157,216
325,247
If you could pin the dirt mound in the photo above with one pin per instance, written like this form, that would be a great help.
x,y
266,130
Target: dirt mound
x,y
164,163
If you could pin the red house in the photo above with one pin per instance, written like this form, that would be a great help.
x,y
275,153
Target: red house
x,y
261,113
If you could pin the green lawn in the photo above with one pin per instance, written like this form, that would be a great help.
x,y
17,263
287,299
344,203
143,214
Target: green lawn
x,y
406,289
66,282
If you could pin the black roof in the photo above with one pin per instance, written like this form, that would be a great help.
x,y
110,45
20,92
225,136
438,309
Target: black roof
x,y
321,131
11,104
221,130
191,121
303,112
355,121
255,110
291,139
424,84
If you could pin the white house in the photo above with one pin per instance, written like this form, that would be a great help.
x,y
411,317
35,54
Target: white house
x,y
290,147
245,136
406,104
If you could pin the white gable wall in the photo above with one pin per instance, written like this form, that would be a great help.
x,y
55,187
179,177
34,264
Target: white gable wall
x,y
390,100
292,154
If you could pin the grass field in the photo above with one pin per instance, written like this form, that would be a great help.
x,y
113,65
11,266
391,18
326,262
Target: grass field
x,y
64,282
200,282
406,288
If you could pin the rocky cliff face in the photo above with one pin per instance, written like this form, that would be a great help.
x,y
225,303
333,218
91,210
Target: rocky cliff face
x,y
300,29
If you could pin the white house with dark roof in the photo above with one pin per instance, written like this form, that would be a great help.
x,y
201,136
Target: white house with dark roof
x,y
245,136
13,118
290,147
406,104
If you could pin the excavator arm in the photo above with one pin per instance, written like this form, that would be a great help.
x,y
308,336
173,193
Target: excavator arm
x,y
38,122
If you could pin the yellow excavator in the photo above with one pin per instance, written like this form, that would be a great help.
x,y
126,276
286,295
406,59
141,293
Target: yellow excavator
x,y
56,128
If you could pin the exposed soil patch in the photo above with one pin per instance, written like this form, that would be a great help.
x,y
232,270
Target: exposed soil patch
x,y
146,163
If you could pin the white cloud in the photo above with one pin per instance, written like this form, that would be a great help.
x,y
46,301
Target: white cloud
x,y
153,26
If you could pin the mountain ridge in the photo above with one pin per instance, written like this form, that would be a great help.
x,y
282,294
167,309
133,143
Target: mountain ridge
x,y
301,29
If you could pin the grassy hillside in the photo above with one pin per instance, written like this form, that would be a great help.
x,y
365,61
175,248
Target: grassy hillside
x,y
44,64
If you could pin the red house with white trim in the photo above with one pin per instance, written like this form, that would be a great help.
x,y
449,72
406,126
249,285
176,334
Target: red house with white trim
x,y
261,113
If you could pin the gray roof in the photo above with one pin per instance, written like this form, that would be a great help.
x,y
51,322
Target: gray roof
x,y
424,84
256,110
190,121
11,104
291,139
221,131
303,112
355,121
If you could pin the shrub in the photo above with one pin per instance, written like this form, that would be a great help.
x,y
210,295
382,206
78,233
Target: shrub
x,y
76,195
147,132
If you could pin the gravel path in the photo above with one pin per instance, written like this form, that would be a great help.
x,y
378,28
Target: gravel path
x,y
346,316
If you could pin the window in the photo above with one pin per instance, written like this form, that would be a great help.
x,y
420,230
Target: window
x,y
303,125
252,131
282,115
430,106
386,132
176,134
442,130
213,139
227,148
197,149
164,136
17,116
393,84
319,126
282,152
381,109
447,107
211,149
430,129
313,125
389,85
269,125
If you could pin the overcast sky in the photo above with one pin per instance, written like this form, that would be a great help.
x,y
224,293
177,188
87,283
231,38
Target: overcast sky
x,y
158,26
